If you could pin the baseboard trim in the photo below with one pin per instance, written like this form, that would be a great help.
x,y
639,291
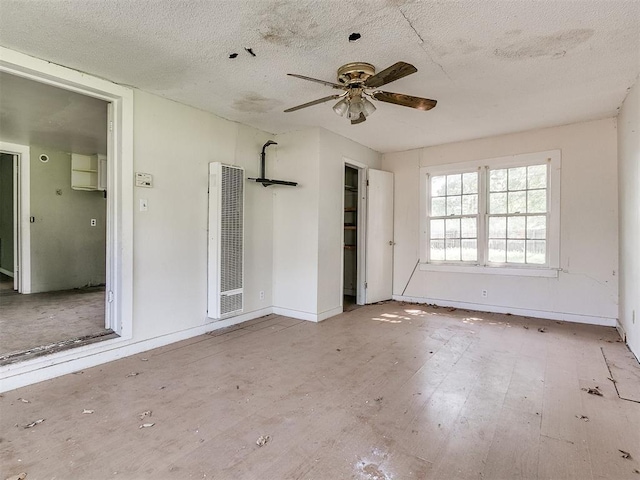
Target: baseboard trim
x,y
311,317
45,368
566,317
6,272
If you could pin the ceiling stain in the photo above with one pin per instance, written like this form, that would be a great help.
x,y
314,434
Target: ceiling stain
x,y
554,46
286,23
460,46
255,103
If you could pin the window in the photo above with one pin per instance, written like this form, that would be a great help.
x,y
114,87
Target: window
x,y
501,213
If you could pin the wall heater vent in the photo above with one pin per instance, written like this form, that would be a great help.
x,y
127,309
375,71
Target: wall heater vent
x,y
226,240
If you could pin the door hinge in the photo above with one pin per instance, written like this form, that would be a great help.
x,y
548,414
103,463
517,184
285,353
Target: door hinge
x,y
110,296
366,285
111,126
367,183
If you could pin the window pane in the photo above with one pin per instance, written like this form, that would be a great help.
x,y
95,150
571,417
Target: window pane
x,y
537,201
438,206
515,227
453,228
536,227
517,202
452,251
469,250
438,185
498,180
437,250
536,251
454,205
437,229
518,178
454,184
497,227
497,203
470,182
497,251
515,251
469,204
469,228
537,176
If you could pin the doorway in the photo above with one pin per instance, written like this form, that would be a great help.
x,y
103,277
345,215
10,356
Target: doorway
x,y
354,222
53,219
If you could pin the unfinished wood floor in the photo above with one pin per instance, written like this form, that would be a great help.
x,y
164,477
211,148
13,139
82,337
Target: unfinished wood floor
x,y
383,392
37,319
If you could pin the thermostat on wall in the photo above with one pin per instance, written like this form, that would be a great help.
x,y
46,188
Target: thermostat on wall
x,y
144,180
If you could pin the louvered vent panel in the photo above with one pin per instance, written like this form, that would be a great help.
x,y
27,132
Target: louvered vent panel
x,y
230,303
231,229
226,212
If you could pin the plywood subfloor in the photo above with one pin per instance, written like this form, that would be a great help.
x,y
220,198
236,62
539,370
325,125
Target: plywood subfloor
x,y
387,391
37,319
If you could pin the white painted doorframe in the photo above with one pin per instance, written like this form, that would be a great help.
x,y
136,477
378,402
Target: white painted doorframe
x,y
21,209
361,229
119,292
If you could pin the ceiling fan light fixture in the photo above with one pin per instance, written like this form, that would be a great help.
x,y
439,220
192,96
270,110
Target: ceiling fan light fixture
x,y
341,107
368,106
356,107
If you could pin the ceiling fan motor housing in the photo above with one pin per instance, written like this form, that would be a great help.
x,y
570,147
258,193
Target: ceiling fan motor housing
x,y
355,73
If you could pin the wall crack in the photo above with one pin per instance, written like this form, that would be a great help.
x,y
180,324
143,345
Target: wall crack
x,y
423,44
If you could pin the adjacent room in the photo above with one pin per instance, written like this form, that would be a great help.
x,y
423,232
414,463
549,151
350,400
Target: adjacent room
x,y
320,240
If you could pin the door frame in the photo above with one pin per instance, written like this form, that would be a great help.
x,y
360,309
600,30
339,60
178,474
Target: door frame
x,y
119,267
361,229
21,209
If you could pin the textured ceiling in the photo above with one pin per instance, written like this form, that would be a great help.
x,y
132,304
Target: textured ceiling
x,y
32,113
494,66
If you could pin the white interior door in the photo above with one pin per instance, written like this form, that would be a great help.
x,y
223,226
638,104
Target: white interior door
x,y
379,249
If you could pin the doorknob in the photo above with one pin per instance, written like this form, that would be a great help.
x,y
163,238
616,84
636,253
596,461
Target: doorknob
x,y
391,242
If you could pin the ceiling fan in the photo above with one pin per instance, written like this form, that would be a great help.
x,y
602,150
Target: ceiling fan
x,y
357,79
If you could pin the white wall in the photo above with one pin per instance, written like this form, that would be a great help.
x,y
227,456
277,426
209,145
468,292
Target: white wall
x,y
66,251
334,149
629,197
586,289
175,143
308,220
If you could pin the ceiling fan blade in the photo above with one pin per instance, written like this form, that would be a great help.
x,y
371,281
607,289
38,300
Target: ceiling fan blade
x,y
405,100
391,74
328,84
358,120
315,102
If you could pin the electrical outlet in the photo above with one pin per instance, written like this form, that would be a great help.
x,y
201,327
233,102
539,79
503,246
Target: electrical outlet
x,y
93,222
261,294
484,294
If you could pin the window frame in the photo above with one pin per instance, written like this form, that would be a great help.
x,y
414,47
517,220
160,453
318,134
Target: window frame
x,y
549,269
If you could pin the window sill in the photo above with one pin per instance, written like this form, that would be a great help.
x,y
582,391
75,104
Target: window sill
x,y
513,271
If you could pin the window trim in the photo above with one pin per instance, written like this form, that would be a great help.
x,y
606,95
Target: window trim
x,y
550,269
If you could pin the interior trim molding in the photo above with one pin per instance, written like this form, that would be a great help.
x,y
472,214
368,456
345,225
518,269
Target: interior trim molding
x,y
561,316
51,366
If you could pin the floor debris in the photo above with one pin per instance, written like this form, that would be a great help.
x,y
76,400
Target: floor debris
x,y
133,374
582,417
146,425
626,455
24,400
379,399
262,440
20,476
33,424
526,327
613,380
86,411
144,414
635,470
144,359
542,329
593,391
